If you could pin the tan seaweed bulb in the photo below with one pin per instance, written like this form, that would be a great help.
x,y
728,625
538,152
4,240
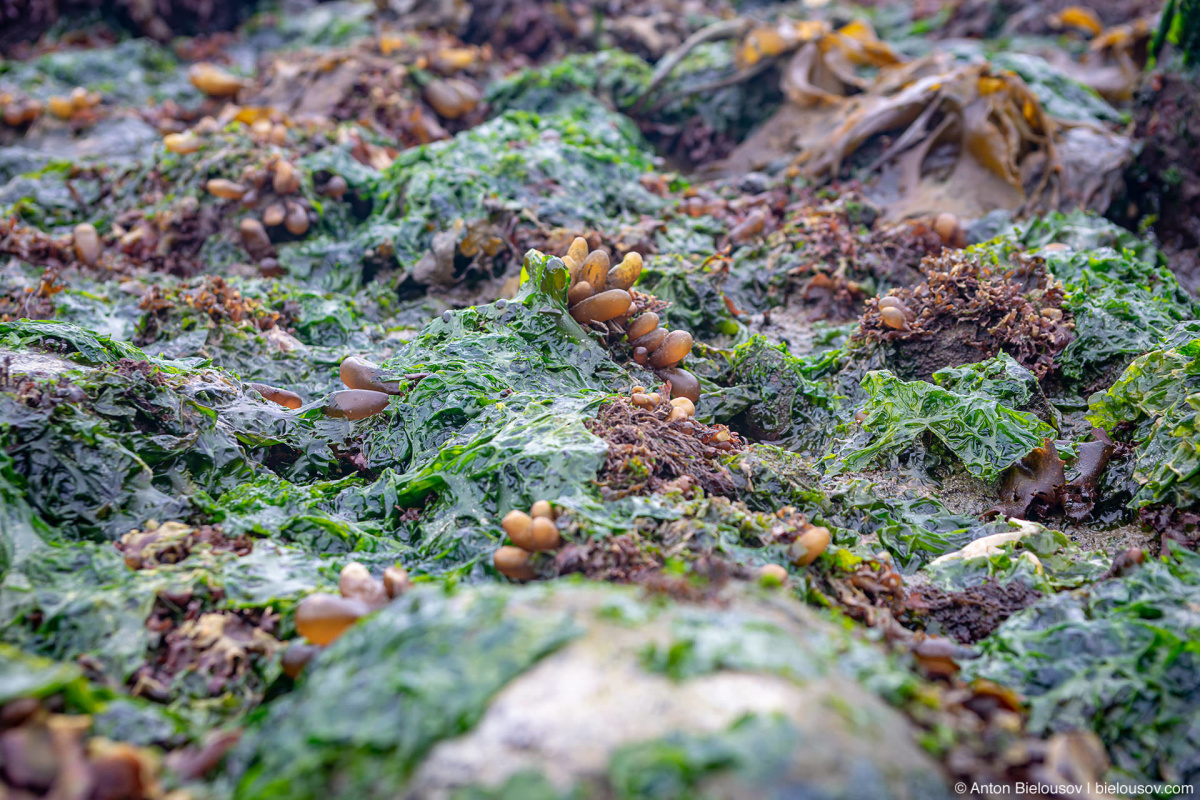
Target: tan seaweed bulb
x,y
530,533
279,396
452,98
355,404
214,81
894,313
599,292
358,373
809,545
19,112
681,407
321,617
80,99
87,243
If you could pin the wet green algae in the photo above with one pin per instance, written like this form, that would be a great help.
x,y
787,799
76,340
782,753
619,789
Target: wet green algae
x,y
171,430
467,441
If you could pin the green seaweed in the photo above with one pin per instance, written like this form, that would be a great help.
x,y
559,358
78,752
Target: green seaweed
x,y
1154,405
437,658
756,750
986,436
1121,658
777,397
913,528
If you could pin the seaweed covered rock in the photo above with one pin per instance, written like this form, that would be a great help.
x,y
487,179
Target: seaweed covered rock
x,y
588,688
1151,406
1097,657
968,310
